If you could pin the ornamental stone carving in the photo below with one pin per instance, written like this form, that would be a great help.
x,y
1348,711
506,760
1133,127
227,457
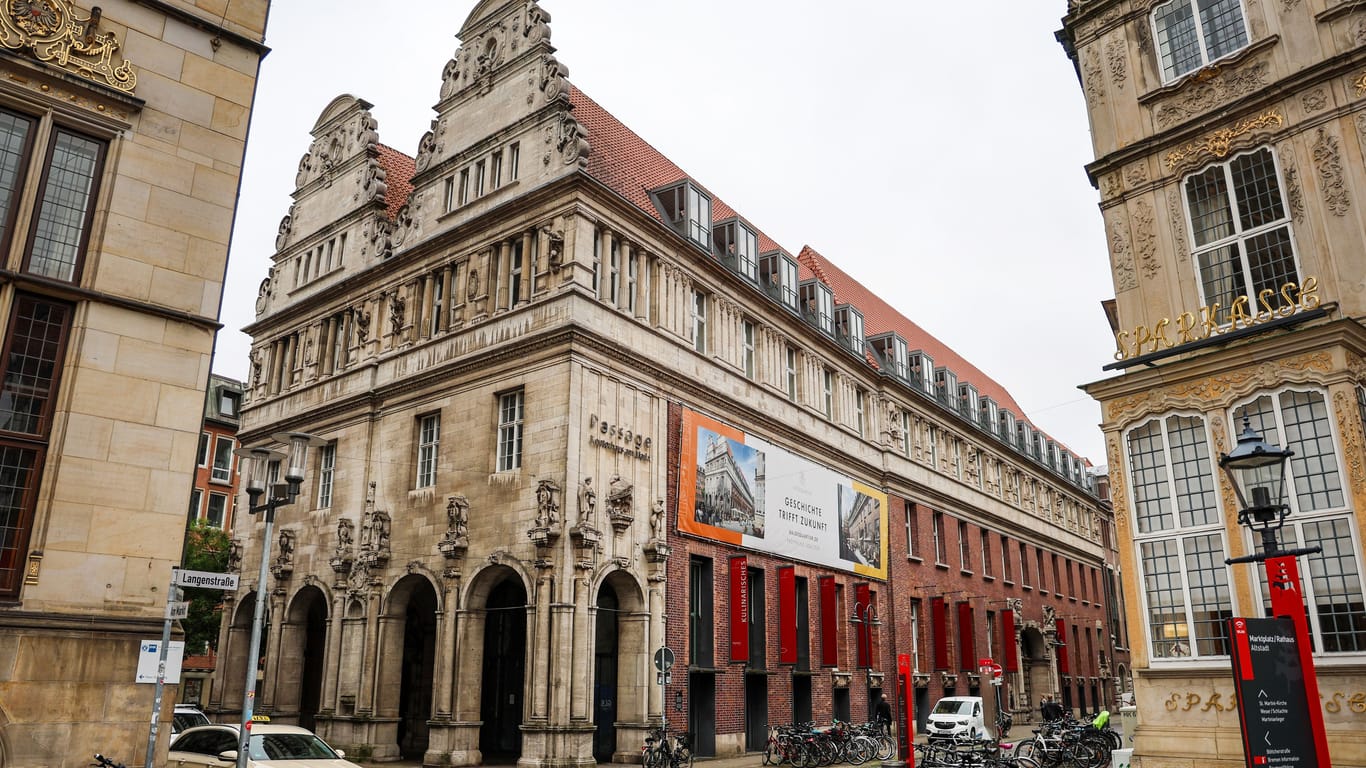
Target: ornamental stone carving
x,y
1092,77
57,31
588,500
1115,54
1218,90
547,504
344,555
1176,218
1145,241
619,503
235,556
1293,194
455,542
1328,163
1123,260
283,566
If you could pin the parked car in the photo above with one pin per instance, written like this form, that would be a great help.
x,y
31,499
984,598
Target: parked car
x,y
955,715
271,746
186,716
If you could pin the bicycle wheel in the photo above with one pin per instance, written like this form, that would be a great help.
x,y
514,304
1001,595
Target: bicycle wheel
x,y
653,758
683,755
886,747
770,752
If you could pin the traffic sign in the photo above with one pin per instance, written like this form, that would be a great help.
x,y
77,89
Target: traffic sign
x,y
1269,681
206,580
664,659
177,610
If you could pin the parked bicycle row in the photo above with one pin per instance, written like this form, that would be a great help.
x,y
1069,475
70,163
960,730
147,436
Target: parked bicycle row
x,y
808,745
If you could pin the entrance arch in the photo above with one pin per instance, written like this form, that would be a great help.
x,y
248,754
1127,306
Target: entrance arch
x,y
408,662
503,678
232,674
620,660
1038,680
303,641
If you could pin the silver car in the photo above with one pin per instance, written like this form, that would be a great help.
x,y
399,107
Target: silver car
x,y
271,746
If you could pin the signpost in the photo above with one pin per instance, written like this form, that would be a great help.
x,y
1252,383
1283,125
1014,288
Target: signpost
x,y
905,731
664,661
1269,683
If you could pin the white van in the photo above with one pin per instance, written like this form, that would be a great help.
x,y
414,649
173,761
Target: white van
x,y
955,715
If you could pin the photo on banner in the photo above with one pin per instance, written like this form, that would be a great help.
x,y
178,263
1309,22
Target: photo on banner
x,y
740,489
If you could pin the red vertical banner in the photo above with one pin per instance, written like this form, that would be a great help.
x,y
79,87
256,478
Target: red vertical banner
x,y
1012,662
939,628
787,615
739,608
862,630
905,729
1063,668
1283,576
967,646
829,628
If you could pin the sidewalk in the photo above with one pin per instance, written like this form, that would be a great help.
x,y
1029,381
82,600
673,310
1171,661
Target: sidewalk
x,y
752,760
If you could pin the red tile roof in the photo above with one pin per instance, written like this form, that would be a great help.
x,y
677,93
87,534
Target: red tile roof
x,y
398,175
632,167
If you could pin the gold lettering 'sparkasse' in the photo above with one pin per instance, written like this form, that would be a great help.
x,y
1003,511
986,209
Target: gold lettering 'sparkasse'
x,y
1191,328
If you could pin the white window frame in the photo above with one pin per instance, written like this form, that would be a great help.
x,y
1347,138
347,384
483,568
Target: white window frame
x,y
1205,58
225,475
984,544
196,504
208,510
699,321
937,523
912,523
790,363
428,445
915,635
747,347
511,421
327,462
203,455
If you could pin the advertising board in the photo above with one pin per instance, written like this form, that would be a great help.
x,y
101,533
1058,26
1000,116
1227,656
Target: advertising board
x,y
740,489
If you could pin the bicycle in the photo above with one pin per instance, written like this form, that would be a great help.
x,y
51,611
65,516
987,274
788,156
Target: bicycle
x,y
662,751
103,762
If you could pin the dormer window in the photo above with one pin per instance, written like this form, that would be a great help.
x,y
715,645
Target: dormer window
x,y
892,354
968,402
688,210
1193,33
818,305
922,372
1024,437
738,246
946,386
229,402
778,275
1007,426
849,328
988,415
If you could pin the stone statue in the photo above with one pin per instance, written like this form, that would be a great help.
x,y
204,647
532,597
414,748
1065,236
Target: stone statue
x,y
362,324
657,519
619,496
458,515
1050,617
547,508
234,555
588,500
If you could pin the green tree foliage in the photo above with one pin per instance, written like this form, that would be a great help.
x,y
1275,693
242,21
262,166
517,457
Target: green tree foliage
x,y
206,549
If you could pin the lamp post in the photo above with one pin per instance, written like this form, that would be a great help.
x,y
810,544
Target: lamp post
x,y
1256,470
864,619
275,495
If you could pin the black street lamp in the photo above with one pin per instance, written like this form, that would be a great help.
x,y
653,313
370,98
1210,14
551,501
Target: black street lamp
x,y
1256,470
275,495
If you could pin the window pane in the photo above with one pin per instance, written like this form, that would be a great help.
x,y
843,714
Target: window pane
x,y
1191,471
1221,277
62,213
14,132
1149,477
1272,262
16,481
1166,606
1211,213
1222,21
1257,189
1177,42
1336,583
1314,465
1211,603
32,364
222,460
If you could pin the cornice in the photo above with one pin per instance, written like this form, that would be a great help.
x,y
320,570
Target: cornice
x,y
207,25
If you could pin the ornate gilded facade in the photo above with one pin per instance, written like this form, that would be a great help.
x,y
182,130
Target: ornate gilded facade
x,y
1229,139
123,132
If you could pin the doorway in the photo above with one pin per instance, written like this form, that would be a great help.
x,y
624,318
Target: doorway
x,y
839,703
500,706
310,610
702,713
801,699
605,677
756,712
922,709
417,670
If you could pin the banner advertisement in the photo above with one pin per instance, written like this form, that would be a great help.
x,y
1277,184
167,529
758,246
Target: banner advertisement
x,y
739,608
742,490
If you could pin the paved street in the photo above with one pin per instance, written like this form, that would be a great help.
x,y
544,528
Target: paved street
x,y
743,761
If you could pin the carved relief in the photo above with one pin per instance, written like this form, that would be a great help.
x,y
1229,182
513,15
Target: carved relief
x,y
1136,174
537,24
1115,53
1123,259
1092,77
1204,96
1328,163
570,140
1145,241
286,227
554,248
588,500
1177,219
1219,143
451,75
1293,194
1359,84
373,186
379,233
547,505
362,317
620,507
283,566
552,81
426,147
397,306
1218,391
56,31
1315,100
1350,425
1110,186
344,555
235,556
456,540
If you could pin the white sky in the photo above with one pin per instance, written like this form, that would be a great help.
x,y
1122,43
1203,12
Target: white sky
x,y
936,157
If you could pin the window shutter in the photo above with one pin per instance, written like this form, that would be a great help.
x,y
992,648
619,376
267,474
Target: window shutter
x,y
967,655
939,628
829,638
787,615
1063,669
1012,662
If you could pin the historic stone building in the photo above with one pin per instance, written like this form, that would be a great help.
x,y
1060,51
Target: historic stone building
x,y
123,129
577,409
1228,137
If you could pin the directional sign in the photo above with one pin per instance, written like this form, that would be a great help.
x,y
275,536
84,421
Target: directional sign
x,y
177,610
664,659
207,580
1271,696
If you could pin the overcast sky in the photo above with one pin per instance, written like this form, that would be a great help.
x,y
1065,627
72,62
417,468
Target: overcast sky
x,y
936,157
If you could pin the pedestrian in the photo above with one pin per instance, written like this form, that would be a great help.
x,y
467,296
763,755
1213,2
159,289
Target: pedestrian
x,y
884,714
1050,709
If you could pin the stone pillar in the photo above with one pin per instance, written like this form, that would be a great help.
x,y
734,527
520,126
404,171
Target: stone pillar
x,y
528,266
542,647
503,277
656,619
369,662
443,320
446,648
604,256
277,625
424,314
580,688
332,653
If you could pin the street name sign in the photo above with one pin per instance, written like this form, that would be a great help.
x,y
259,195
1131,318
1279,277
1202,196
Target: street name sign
x,y
177,610
206,580
1269,682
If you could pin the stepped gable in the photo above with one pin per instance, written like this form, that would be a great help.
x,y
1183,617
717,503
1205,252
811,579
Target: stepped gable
x,y
399,170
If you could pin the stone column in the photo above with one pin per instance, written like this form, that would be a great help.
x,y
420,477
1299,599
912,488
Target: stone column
x,y
503,277
604,257
580,697
528,266
424,315
332,653
447,649
542,649
277,625
369,663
